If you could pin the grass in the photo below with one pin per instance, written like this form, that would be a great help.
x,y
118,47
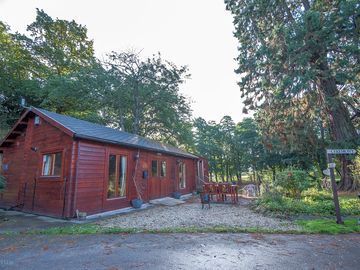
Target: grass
x,y
97,229
320,226
328,226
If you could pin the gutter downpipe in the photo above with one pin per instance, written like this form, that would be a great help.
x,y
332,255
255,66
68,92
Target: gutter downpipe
x,y
73,167
76,178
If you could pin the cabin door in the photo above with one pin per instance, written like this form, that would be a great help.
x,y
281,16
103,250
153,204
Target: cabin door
x,y
154,180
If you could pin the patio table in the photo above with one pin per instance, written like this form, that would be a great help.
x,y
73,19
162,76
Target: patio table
x,y
221,190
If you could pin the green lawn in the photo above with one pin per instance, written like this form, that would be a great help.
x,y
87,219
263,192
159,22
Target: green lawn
x,y
321,226
328,226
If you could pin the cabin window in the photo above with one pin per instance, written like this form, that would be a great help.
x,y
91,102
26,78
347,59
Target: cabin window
x,y
112,177
163,169
154,168
51,164
117,176
182,175
122,176
1,162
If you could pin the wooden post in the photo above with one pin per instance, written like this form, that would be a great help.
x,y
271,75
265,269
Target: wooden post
x,y
334,190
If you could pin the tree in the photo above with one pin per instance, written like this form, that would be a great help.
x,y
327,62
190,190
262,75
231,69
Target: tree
x,y
144,97
60,46
209,143
252,150
15,78
54,68
289,50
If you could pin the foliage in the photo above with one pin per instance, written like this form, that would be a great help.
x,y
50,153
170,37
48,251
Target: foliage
x,y
293,181
329,226
15,82
2,182
231,148
60,47
311,203
53,67
144,98
299,70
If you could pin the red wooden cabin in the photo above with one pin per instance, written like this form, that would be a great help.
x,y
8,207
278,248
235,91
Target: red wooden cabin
x,y
55,164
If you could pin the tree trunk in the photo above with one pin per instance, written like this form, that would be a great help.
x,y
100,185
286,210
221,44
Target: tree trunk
x,y
238,176
342,129
347,182
136,109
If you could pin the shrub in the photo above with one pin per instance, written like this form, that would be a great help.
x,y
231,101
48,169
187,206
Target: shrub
x,y
316,194
293,182
312,202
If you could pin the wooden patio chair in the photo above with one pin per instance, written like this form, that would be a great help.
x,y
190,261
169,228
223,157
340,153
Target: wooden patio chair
x,y
205,199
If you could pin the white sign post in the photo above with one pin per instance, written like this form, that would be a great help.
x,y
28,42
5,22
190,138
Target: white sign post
x,y
331,167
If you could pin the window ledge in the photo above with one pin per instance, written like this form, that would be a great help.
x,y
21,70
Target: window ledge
x,y
117,198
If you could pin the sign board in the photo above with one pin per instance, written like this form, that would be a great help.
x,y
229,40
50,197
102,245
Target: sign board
x,y
326,172
331,165
5,167
341,151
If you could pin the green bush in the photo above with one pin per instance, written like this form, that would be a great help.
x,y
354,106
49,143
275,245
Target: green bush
x,y
317,194
293,182
312,202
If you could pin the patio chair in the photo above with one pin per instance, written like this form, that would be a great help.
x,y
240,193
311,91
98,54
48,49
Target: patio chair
x,y
205,199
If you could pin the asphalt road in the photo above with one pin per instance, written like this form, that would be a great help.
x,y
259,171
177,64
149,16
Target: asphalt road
x,y
180,251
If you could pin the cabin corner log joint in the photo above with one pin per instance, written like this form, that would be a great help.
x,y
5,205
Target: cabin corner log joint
x,y
56,165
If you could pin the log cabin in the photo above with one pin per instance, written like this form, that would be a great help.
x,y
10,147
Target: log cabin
x,y
56,165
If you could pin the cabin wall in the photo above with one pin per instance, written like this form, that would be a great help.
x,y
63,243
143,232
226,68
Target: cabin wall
x,y
92,176
83,182
26,188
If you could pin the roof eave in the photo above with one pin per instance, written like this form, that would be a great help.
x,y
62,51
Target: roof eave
x,y
24,114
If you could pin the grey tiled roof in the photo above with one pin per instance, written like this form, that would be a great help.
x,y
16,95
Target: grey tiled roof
x,y
87,130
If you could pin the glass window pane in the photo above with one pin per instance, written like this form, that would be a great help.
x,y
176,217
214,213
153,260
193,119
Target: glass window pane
x,y
112,177
182,175
200,169
47,162
1,162
57,164
163,169
154,168
122,176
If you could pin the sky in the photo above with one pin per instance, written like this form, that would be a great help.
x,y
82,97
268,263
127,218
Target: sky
x,y
195,33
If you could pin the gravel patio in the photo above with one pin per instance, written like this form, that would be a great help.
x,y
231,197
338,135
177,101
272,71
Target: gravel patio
x,y
191,214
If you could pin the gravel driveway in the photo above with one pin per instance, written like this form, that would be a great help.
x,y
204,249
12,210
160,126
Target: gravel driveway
x,y
190,214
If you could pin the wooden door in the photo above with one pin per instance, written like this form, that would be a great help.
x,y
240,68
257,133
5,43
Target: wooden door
x,y
154,180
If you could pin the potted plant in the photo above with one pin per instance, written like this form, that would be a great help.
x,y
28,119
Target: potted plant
x,y
136,203
2,182
176,195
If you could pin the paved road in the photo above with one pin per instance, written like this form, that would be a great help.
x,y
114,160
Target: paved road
x,y
180,251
